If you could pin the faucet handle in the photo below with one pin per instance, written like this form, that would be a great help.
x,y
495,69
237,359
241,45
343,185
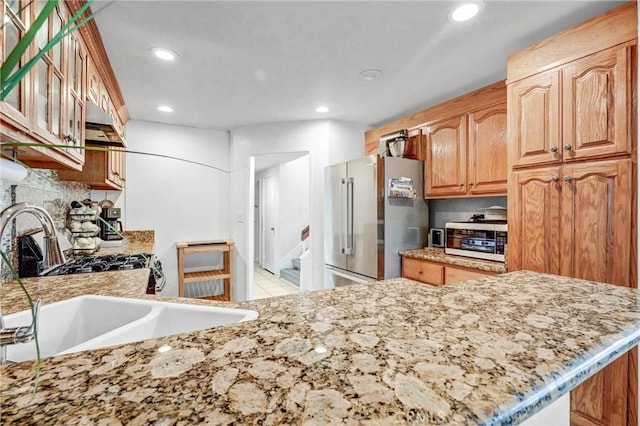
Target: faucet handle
x,y
21,334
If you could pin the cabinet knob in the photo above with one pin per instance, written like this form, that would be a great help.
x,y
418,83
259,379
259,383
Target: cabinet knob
x,y
567,147
555,178
553,149
567,178
470,183
419,272
462,184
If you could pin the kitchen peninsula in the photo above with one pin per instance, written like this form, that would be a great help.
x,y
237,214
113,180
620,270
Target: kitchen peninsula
x,y
489,351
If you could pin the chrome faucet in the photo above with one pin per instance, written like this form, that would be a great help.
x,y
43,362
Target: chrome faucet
x,y
52,253
52,256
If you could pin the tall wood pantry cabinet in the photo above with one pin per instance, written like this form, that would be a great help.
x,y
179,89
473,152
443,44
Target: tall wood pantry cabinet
x,y
572,120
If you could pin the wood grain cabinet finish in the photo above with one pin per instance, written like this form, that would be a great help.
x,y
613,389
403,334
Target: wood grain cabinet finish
x,y
436,273
48,105
103,169
446,165
487,151
584,117
596,95
534,120
596,221
423,271
534,220
467,155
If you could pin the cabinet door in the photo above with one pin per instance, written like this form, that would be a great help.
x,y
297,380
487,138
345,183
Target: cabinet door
x,y
596,100
115,166
76,98
446,166
50,80
534,220
15,107
596,217
415,145
488,151
534,119
423,271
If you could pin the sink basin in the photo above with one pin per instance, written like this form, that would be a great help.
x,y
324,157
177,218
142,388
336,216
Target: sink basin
x,y
92,322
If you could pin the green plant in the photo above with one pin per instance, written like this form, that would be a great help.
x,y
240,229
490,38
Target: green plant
x,y
9,81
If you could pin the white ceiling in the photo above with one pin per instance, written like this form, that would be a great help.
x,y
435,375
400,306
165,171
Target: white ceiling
x,y
243,63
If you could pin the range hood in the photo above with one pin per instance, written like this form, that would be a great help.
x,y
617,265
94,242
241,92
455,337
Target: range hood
x,y
99,127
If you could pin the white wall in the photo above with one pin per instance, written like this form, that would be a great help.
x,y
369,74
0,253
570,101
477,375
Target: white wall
x,y
325,140
293,181
181,201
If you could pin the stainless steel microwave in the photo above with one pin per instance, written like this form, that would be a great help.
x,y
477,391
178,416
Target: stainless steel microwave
x,y
482,240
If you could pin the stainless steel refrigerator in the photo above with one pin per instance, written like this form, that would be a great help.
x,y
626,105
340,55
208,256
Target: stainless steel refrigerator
x,y
367,221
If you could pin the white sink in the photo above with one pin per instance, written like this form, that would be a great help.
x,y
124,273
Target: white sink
x,y
92,322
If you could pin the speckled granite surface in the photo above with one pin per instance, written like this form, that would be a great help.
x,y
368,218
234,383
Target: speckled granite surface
x,y
493,350
438,255
137,242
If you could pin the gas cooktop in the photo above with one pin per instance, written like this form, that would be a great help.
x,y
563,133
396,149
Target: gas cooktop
x,y
112,262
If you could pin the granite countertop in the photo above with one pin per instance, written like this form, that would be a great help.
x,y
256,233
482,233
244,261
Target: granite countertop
x,y
493,350
137,242
438,255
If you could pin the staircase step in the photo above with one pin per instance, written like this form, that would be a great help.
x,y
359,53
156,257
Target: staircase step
x,y
296,263
291,275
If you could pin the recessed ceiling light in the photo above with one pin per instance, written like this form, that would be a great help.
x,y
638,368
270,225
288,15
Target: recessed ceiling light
x,y
322,109
464,12
164,54
165,108
370,75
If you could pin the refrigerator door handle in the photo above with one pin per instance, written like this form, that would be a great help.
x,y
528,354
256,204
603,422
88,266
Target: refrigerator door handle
x,y
349,246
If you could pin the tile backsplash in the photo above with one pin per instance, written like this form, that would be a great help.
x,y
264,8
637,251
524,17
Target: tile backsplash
x,y
41,187
459,209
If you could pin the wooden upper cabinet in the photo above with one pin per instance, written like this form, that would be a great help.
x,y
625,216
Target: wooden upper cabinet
x,y
446,163
487,148
534,120
416,144
596,96
467,155
534,220
579,111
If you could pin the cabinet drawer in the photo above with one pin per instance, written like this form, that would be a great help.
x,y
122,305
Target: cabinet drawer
x,y
420,270
455,275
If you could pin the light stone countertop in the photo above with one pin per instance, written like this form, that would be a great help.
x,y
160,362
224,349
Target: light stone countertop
x,y
438,255
488,351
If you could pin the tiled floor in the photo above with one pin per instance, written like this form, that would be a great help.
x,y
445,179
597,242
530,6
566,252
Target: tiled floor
x,y
265,284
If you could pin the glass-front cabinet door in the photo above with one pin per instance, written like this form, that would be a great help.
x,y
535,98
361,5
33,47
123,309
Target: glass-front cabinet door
x,y
49,78
16,18
76,98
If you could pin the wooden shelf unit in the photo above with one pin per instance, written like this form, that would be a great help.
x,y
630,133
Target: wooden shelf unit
x,y
226,273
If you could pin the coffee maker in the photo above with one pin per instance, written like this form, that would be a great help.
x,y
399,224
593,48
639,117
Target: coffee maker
x,y
110,225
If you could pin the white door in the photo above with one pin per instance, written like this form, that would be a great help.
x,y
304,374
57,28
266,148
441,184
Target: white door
x,y
270,212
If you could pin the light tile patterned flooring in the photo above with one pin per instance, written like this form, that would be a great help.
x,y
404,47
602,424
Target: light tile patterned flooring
x,y
265,284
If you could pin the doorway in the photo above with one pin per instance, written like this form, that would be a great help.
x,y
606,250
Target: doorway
x,y
281,210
